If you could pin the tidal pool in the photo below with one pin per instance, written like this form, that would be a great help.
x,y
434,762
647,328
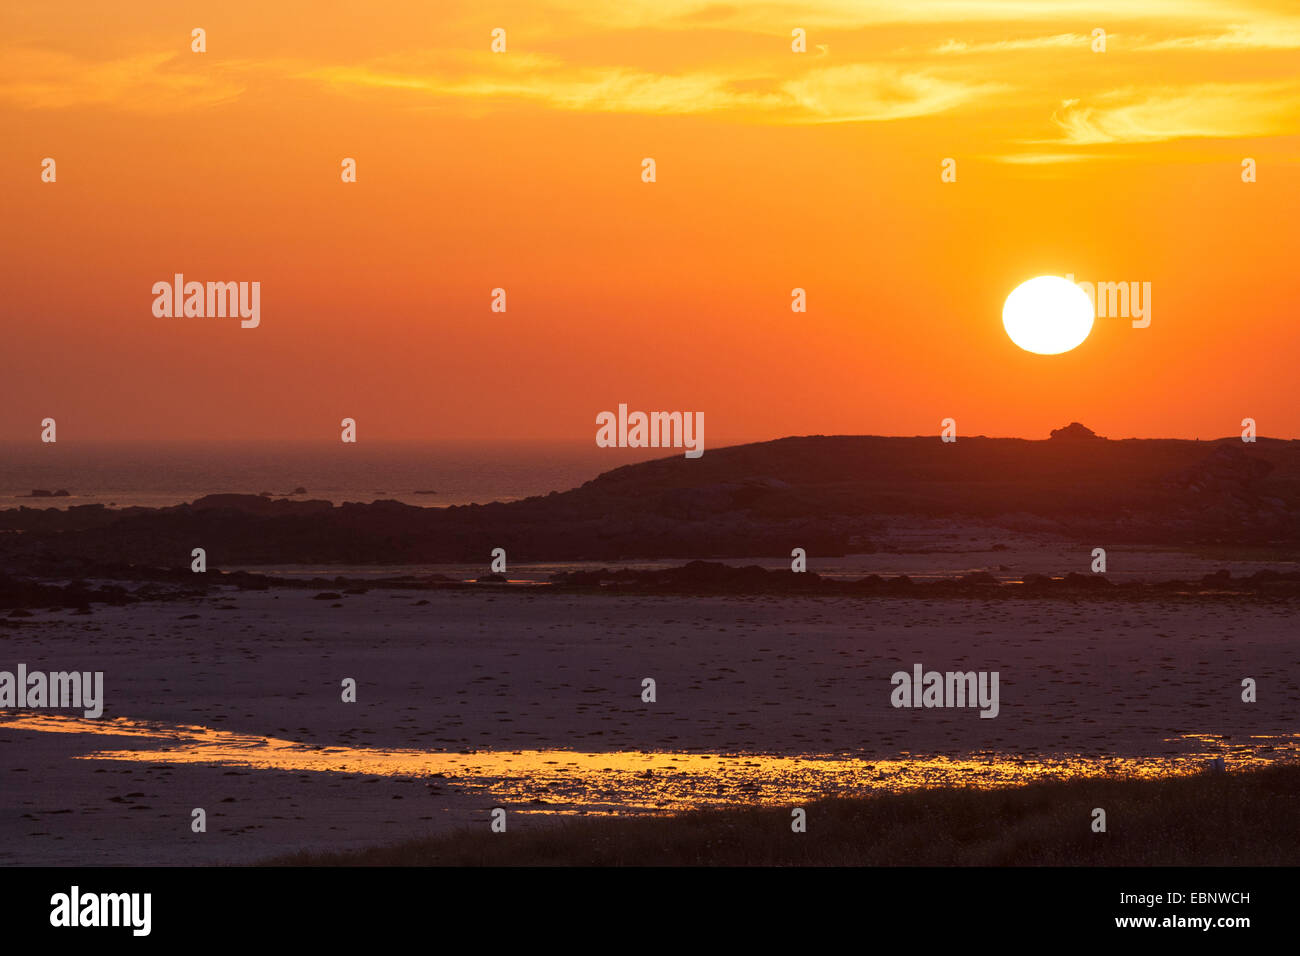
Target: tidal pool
x,y
568,781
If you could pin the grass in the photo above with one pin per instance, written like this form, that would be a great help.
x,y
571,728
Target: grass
x,y
1239,552
1248,818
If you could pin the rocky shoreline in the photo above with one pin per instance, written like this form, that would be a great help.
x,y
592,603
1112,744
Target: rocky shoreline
x,y
81,585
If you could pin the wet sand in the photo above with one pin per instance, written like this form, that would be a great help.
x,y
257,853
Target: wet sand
x,y
238,710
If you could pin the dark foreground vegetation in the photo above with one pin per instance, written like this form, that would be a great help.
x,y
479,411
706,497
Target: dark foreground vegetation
x,y
1248,818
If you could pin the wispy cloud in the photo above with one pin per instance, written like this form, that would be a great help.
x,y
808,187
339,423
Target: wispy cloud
x,y
615,89
850,92
1043,159
867,92
147,82
1207,110
1189,68
952,47
771,16
1272,35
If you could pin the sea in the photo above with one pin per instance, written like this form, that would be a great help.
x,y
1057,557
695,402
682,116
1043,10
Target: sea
x,y
432,474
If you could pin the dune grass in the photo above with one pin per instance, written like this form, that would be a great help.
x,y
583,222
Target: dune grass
x,y
1248,818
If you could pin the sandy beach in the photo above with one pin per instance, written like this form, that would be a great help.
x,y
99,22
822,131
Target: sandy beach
x,y
533,701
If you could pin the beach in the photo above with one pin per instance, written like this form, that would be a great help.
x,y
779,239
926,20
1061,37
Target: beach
x,y
532,700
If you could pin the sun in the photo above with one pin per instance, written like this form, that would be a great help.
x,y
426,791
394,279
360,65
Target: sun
x,y
1048,315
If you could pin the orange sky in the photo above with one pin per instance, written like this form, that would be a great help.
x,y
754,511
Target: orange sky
x,y
522,170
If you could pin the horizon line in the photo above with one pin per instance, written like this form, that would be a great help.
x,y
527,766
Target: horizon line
x,y
576,443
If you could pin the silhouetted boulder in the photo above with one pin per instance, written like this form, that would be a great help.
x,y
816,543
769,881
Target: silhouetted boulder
x,y
1074,431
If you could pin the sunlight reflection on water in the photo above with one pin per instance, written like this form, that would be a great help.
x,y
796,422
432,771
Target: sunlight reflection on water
x,y
572,781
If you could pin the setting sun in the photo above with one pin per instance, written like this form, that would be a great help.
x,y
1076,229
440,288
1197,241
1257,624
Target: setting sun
x,y
1048,315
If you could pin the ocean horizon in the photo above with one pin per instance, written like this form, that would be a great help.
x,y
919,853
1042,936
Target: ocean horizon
x,y
156,474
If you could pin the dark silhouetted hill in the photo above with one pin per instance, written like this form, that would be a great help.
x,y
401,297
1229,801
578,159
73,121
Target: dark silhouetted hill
x,y
830,495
